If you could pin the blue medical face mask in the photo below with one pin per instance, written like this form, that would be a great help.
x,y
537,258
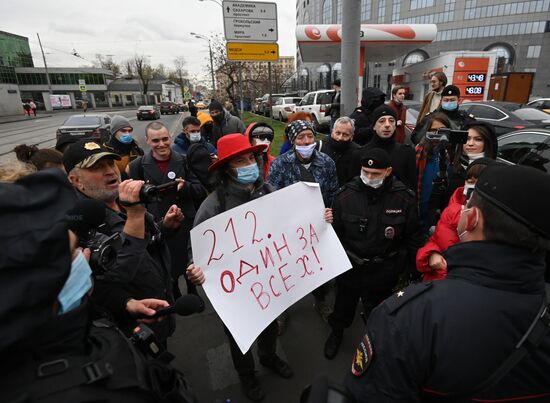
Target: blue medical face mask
x,y
248,174
449,106
77,285
126,138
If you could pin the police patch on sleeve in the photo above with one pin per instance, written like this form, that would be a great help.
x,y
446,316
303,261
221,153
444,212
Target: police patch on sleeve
x,y
362,357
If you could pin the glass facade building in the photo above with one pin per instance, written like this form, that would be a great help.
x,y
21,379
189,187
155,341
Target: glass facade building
x,y
519,31
14,51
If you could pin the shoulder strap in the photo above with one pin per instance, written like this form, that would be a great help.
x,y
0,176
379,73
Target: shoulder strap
x,y
528,343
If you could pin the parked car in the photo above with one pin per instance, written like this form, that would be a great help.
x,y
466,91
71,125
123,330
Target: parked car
x,y
283,107
265,106
168,107
535,116
256,105
526,147
500,115
89,126
148,112
182,107
315,103
543,104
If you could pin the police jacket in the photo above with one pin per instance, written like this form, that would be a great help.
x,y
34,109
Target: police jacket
x,y
145,168
141,270
377,224
343,155
431,341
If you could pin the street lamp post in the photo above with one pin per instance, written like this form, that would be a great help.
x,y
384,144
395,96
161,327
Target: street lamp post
x,y
198,36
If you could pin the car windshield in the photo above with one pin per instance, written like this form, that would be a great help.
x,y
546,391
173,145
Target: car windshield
x,y
509,106
532,114
146,108
82,121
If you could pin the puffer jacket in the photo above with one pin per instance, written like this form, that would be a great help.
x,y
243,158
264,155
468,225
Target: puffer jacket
x,y
445,235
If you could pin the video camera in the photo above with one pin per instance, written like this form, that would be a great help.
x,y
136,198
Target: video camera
x,y
85,219
449,136
154,193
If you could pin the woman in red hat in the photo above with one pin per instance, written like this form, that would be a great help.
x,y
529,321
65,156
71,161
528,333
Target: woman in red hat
x,y
238,180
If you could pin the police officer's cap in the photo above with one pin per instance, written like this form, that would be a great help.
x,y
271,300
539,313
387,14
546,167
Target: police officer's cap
x,y
450,91
521,192
376,158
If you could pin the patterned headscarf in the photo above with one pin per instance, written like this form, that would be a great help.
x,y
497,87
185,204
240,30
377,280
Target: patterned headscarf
x,y
296,127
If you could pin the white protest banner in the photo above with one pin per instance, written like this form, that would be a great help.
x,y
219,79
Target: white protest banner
x,y
263,256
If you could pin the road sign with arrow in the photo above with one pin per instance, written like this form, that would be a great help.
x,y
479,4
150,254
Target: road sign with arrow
x,y
248,21
246,52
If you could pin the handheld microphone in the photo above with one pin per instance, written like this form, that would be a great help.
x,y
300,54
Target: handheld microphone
x,y
86,215
184,306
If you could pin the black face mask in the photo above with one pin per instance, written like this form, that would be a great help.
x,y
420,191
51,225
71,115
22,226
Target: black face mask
x,y
218,118
340,145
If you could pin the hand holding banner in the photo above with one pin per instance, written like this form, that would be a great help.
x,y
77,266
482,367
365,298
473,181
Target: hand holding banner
x,y
263,256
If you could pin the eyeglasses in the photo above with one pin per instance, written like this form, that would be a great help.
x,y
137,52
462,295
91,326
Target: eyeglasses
x,y
263,137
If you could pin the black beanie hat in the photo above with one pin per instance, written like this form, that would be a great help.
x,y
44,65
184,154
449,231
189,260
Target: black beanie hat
x,y
521,192
215,106
382,110
376,158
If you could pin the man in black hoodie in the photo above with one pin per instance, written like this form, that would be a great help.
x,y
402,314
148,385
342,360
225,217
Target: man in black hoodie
x,y
403,158
371,99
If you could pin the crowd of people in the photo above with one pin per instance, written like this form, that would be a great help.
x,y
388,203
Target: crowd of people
x,y
433,210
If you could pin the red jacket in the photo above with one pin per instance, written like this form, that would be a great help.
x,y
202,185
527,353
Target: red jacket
x,y
270,158
401,111
444,236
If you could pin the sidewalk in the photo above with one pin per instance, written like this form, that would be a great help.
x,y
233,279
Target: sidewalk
x,y
48,114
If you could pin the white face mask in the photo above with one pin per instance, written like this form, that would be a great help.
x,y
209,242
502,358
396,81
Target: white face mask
x,y
461,234
195,137
260,141
305,151
468,189
373,183
473,157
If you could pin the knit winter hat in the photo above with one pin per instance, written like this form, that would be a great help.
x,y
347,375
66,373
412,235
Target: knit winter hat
x,y
296,127
382,110
215,106
119,122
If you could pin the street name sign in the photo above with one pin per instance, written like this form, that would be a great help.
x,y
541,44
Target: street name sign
x,y
249,21
247,52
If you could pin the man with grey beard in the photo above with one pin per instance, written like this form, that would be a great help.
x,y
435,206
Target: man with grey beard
x,y
141,269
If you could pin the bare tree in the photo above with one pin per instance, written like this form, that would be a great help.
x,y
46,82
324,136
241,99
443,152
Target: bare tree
x,y
159,72
129,68
179,74
145,73
107,62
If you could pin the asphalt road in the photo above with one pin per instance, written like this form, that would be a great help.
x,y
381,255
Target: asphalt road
x,y
42,131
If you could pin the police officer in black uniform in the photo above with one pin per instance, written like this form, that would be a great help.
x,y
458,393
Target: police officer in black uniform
x,y
376,219
450,99
482,334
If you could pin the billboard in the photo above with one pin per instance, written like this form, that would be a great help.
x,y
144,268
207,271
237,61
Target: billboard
x,y
60,101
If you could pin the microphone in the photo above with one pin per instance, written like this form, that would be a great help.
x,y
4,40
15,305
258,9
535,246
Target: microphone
x,y
184,306
86,215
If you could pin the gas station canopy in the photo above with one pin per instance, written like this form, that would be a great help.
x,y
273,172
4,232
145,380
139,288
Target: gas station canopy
x,y
379,42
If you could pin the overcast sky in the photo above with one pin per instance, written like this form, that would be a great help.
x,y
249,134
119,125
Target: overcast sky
x,y
159,29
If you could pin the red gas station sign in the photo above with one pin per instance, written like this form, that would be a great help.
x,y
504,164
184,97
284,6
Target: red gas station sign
x,y
470,76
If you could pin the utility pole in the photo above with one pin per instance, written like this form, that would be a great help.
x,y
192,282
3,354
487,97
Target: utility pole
x,y
351,27
269,85
241,86
212,67
45,65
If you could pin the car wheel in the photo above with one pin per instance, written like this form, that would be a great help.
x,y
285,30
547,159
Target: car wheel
x,y
139,118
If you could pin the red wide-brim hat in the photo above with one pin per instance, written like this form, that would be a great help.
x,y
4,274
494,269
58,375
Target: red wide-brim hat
x,y
233,145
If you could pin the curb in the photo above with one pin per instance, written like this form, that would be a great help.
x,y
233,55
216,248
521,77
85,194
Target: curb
x,y
24,119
